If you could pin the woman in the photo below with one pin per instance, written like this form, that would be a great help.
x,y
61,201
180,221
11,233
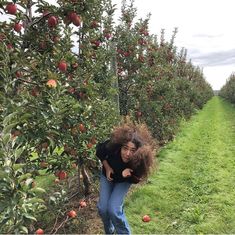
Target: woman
x,y
127,158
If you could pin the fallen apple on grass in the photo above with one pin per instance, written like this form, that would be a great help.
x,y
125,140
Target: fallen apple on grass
x,y
82,204
39,231
72,213
146,218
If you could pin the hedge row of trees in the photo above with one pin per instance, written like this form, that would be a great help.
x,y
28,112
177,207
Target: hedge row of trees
x,y
228,90
68,73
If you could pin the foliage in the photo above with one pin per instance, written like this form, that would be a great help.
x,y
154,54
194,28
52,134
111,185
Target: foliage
x,y
66,74
228,90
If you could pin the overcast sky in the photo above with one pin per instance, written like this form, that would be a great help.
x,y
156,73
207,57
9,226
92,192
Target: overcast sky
x,y
205,29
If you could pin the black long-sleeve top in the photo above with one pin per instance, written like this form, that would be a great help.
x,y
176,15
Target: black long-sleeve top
x,y
113,157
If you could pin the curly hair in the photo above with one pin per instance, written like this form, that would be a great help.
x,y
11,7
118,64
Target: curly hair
x,y
143,159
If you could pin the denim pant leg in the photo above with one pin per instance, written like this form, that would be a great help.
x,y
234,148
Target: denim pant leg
x,y
116,211
106,188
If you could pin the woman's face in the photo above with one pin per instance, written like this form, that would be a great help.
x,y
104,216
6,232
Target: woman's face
x,y
127,151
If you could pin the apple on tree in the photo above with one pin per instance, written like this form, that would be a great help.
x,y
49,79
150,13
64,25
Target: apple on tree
x,y
62,66
72,16
11,8
17,27
62,175
82,128
52,21
51,83
77,21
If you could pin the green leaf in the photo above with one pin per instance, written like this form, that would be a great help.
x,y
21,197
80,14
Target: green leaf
x,y
16,167
3,174
25,117
8,118
28,216
23,229
8,128
37,190
2,74
6,138
18,152
36,200
25,176
2,153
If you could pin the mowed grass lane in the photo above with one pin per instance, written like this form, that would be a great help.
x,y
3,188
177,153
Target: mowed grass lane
x,y
194,189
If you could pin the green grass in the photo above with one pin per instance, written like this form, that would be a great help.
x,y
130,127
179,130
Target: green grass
x,y
194,189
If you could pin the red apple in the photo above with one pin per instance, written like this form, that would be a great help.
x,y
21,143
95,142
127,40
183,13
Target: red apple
x,y
82,128
11,8
77,21
89,145
62,175
52,21
72,213
62,66
51,83
17,27
39,231
72,16
82,204
146,218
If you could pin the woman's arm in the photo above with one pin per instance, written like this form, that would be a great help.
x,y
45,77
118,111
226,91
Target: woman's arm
x,y
128,173
108,170
102,151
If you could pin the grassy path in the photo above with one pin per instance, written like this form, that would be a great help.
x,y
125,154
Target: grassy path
x,y
194,188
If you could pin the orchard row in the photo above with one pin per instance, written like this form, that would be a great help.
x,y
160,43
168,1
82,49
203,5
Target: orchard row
x,y
69,73
228,90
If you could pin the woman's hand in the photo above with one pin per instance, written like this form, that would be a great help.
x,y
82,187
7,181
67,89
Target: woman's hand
x,y
127,172
108,170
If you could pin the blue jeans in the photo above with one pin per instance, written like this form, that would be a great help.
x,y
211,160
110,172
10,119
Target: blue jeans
x,y
110,206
